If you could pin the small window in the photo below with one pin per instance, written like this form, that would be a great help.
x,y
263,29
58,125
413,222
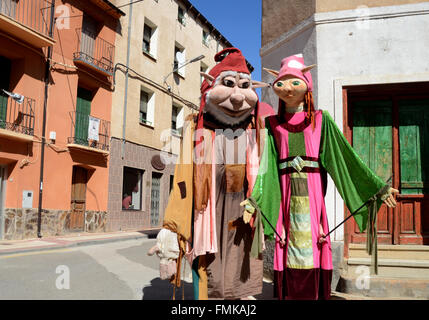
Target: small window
x,y
144,99
174,114
181,15
177,117
205,38
147,35
150,38
179,60
203,68
171,182
147,107
131,189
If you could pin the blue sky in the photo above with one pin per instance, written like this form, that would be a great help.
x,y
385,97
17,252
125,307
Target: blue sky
x,y
239,21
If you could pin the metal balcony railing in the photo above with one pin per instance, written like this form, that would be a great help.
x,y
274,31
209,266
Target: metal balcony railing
x,y
35,14
94,51
89,131
17,114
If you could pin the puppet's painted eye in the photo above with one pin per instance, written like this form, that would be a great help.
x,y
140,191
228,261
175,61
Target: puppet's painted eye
x,y
296,83
229,83
245,85
279,84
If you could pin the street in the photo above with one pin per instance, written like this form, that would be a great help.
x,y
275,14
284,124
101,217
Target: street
x,y
110,271
118,270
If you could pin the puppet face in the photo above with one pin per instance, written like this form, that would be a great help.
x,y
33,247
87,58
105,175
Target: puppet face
x,y
291,90
232,99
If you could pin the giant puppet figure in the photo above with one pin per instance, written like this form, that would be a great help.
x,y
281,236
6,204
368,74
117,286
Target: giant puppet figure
x,y
302,145
216,170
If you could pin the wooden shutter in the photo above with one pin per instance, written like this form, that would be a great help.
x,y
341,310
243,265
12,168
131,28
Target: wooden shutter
x,y
5,66
83,110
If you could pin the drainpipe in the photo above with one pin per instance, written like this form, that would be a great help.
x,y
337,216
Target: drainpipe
x,y
45,105
124,122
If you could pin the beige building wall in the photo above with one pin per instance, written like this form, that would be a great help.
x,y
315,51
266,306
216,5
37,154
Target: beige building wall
x,y
136,160
163,16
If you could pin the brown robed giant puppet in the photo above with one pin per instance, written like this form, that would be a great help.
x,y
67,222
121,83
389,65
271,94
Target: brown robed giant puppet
x,y
215,172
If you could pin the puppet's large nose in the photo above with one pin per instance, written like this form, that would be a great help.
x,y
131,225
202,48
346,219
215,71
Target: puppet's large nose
x,y
237,99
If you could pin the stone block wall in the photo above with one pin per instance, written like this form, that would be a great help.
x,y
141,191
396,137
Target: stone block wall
x,y
22,223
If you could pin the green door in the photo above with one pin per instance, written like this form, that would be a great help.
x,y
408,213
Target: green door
x,y
83,110
413,209
414,146
372,140
5,66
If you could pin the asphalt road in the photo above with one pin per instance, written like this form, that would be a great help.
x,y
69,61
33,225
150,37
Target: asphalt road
x,y
109,271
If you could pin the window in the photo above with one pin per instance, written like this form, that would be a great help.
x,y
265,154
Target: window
x,y
203,68
144,99
132,189
150,38
147,107
147,34
171,182
176,119
174,114
205,38
179,59
181,15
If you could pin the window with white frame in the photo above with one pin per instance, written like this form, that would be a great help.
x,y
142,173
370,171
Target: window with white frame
x,y
179,59
203,68
177,119
181,15
150,38
147,106
205,38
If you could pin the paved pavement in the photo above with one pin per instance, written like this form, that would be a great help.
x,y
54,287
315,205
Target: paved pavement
x,y
102,266
8,247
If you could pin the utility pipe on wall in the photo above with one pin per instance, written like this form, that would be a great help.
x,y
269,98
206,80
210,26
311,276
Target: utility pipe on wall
x,y
124,122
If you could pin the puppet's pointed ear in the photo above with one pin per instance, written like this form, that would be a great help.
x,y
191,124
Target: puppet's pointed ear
x,y
306,69
209,78
273,72
259,84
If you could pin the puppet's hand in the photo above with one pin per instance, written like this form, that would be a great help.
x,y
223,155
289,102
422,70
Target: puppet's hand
x,y
389,199
249,210
283,239
167,246
322,235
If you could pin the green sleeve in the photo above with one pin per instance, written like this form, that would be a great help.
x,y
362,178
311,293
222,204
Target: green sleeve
x,y
355,182
266,191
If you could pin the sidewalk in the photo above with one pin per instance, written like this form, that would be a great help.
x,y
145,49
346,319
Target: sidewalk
x,y
8,247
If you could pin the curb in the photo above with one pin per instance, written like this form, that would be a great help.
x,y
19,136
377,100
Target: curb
x,y
88,242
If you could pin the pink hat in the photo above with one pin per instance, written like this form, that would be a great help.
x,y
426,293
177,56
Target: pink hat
x,y
294,65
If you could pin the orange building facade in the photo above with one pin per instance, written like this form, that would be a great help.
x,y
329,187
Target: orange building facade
x,y
55,111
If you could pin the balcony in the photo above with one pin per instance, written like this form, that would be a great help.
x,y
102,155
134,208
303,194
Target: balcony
x,y
28,20
94,53
89,133
16,117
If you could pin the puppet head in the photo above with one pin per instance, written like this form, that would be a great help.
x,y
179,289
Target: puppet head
x,y
294,85
227,93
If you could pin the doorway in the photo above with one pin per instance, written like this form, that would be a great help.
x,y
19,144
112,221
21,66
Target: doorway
x,y
388,126
155,197
78,199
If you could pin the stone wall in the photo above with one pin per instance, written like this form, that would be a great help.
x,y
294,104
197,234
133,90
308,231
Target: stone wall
x,y
22,223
